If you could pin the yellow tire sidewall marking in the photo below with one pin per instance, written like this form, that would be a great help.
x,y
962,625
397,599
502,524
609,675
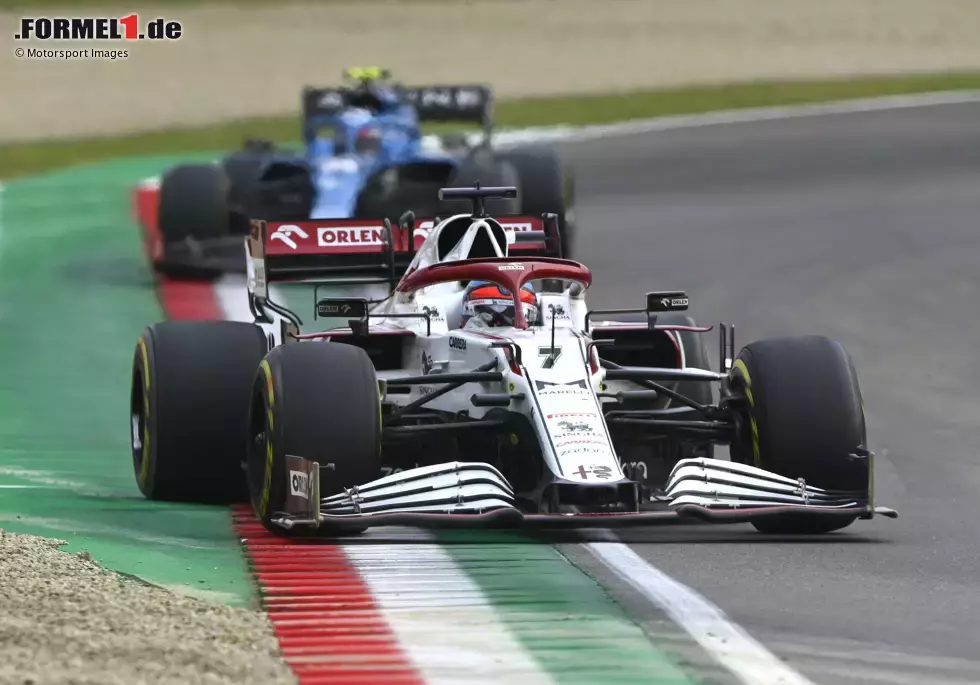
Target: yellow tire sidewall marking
x,y
270,403
145,465
743,371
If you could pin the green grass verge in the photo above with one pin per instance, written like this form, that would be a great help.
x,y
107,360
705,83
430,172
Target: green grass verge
x,y
25,158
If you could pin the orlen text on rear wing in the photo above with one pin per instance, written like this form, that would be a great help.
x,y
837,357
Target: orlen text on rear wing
x,y
362,251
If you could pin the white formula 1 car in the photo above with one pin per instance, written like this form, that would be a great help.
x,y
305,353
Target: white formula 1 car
x,y
404,416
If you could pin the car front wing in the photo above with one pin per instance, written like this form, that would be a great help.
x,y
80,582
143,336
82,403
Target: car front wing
x,y
465,494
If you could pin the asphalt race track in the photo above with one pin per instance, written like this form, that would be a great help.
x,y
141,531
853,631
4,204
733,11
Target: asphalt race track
x,y
864,227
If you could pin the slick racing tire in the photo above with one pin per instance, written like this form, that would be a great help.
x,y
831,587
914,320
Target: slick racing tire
x,y
490,171
189,409
243,168
194,203
545,187
319,401
805,420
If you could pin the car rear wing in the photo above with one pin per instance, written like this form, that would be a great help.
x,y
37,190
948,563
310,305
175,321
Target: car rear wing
x,y
324,102
363,251
463,103
438,103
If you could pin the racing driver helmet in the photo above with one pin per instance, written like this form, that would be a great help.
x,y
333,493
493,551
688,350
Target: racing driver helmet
x,y
368,141
488,304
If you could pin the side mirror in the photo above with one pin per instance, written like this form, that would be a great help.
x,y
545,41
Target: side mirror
x,y
352,308
667,301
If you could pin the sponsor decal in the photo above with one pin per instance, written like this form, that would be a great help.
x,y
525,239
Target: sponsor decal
x,y
137,443
636,470
558,311
349,235
433,313
575,440
574,384
566,393
423,227
669,303
600,472
575,426
585,450
299,484
457,343
339,165
426,390
326,309
494,302
97,28
573,414
256,276
330,99
575,388
562,436
337,307
285,234
426,364
392,470
510,267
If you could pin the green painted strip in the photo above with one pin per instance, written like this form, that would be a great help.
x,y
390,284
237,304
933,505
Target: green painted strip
x,y
562,616
74,294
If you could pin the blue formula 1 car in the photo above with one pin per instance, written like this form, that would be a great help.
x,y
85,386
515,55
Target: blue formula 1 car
x,y
364,156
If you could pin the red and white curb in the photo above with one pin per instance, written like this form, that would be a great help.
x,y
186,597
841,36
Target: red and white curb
x,y
329,627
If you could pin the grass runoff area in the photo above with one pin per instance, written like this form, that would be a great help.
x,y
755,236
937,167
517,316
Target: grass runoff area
x,y
17,159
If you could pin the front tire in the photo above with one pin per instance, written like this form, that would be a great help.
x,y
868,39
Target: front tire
x,y
490,171
805,420
319,401
189,409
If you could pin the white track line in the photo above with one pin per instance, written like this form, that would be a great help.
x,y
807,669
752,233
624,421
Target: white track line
x,y
726,642
441,617
734,116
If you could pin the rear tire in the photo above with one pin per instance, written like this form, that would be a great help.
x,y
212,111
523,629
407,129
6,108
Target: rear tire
x,y
490,171
319,401
189,409
808,414
243,168
545,187
194,203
